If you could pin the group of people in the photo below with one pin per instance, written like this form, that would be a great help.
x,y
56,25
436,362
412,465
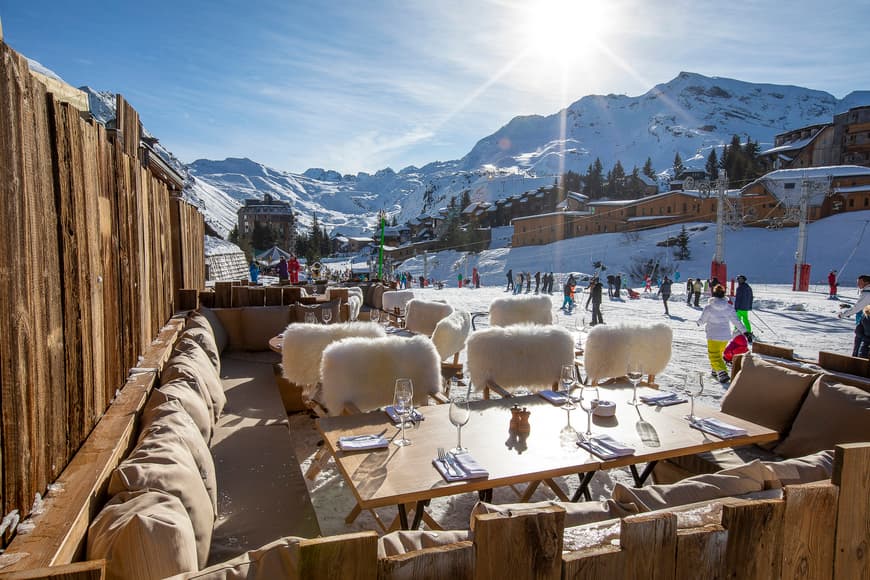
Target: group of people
x,y
543,282
288,270
718,317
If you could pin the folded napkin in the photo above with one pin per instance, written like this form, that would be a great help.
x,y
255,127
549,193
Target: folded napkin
x,y
415,415
605,447
663,399
554,397
360,442
463,467
718,428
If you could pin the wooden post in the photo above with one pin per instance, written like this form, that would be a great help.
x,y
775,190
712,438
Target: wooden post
x,y
256,296
649,546
754,539
449,561
809,526
273,295
240,296
844,364
700,552
206,298
852,474
349,556
223,297
519,546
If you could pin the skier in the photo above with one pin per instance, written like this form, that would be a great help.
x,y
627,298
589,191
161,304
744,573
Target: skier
x,y
743,304
254,270
690,284
293,268
537,281
697,286
832,284
719,317
510,278
528,282
665,293
858,310
283,272
568,294
595,300
647,284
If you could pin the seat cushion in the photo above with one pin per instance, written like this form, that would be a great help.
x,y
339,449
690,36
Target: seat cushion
x,y
719,459
404,541
832,413
164,463
576,513
766,393
807,469
278,559
142,535
748,478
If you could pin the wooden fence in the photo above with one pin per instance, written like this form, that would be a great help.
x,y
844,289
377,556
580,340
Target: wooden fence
x,y
93,250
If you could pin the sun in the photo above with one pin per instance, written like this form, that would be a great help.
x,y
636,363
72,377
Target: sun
x,y
565,31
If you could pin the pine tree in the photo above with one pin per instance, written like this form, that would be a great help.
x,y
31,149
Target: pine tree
x,y
712,166
594,180
678,165
648,169
262,237
682,252
466,199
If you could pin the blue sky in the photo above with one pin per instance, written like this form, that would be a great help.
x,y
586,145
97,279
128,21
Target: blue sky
x,y
359,86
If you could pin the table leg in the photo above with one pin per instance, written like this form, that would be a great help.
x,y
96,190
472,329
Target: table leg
x,y
485,495
640,479
530,489
403,517
419,510
585,479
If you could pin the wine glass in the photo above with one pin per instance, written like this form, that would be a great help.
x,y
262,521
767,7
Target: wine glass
x,y
310,318
403,403
459,416
693,386
568,378
326,315
373,316
588,400
635,374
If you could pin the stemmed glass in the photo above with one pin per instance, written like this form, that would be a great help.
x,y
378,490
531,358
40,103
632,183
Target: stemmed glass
x,y
635,374
693,386
310,318
460,413
568,378
373,316
403,403
588,400
326,315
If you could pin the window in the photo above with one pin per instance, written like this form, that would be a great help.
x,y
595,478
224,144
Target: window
x,y
852,202
788,186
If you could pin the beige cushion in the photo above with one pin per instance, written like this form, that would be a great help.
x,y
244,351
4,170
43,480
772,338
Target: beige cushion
x,y
165,463
231,319
206,341
404,541
741,480
766,393
832,413
197,404
334,306
259,324
143,534
278,559
217,328
576,513
806,469
162,416
192,364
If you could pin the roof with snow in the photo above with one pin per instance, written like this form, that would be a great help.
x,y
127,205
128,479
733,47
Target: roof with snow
x,y
795,145
786,184
577,196
561,213
216,247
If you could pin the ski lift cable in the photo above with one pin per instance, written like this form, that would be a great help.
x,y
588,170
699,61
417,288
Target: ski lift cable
x,y
855,249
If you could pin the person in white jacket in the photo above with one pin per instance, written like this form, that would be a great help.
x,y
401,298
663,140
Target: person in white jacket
x,y
719,316
858,309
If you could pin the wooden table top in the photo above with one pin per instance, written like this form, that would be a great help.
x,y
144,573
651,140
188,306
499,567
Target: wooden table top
x,y
396,475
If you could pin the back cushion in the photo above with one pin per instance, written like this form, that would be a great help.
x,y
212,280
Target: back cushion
x,y
278,559
832,413
206,341
260,323
217,327
164,463
317,310
805,469
766,393
190,363
197,403
142,535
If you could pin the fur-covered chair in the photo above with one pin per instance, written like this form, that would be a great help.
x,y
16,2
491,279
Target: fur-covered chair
x,y
520,355
304,345
520,310
610,348
422,316
449,337
395,302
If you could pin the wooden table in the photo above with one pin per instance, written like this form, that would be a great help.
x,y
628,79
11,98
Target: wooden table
x,y
405,475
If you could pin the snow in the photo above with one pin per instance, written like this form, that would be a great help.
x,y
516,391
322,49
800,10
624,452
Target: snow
x,y
803,321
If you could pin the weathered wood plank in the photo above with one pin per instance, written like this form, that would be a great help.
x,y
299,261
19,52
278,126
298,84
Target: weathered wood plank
x,y
754,548
701,553
450,561
809,528
89,570
852,475
240,296
350,556
592,563
273,295
844,364
649,546
526,545
256,296
223,294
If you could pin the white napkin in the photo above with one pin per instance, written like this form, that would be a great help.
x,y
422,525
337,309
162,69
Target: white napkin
x,y
356,443
554,397
464,464
606,447
718,428
663,399
415,415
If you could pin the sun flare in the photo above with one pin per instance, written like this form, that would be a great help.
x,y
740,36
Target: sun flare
x,y
565,31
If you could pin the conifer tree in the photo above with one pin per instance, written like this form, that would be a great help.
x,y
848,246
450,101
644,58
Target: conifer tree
x,y
648,169
678,165
712,166
594,187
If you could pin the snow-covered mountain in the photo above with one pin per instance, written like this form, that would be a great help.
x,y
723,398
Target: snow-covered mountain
x,y
688,115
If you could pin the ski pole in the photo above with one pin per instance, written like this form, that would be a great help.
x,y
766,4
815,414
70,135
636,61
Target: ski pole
x,y
761,320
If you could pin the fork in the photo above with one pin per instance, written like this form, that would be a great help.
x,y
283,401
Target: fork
x,y
442,457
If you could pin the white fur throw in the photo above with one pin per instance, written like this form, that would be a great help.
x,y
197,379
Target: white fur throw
x,y
610,348
304,345
397,299
521,309
354,304
451,333
423,315
526,355
363,371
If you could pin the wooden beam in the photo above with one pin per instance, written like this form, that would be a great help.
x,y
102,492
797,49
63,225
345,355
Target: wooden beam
x,y
754,548
844,364
520,546
852,475
450,561
700,553
349,556
89,570
809,528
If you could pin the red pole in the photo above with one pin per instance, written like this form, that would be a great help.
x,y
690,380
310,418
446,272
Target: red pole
x,y
732,288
